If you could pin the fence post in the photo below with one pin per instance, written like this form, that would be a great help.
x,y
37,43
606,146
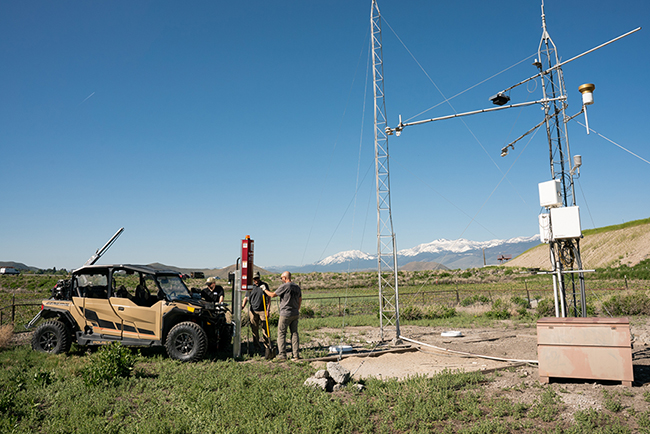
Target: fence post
x,y
339,306
13,308
457,296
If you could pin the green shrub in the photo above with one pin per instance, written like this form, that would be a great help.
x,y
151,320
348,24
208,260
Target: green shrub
x,y
547,407
643,419
476,298
637,303
593,421
612,403
410,313
545,307
274,319
306,312
109,365
520,301
523,312
639,271
499,310
439,311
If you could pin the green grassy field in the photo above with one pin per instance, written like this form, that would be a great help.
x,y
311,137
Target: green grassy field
x,y
120,390
80,393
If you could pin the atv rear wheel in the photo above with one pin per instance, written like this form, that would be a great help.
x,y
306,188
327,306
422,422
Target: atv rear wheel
x,y
186,342
51,337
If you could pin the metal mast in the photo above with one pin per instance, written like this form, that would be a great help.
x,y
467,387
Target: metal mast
x,y
386,244
564,253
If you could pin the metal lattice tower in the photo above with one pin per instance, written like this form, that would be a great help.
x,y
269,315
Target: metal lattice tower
x,y
386,244
565,253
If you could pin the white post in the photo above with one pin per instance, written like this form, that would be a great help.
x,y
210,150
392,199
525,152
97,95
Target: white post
x,y
236,310
556,297
561,290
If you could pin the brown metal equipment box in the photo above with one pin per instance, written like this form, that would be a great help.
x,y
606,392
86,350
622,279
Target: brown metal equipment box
x,y
586,348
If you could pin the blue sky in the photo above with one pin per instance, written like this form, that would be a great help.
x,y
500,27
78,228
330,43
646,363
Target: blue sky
x,y
194,124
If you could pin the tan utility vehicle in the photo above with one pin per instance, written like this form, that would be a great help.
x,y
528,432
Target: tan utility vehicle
x,y
136,305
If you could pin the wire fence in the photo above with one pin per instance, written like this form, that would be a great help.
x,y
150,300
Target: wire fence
x,y
448,295
19,313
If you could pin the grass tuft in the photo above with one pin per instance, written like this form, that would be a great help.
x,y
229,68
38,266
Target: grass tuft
x,y
6,332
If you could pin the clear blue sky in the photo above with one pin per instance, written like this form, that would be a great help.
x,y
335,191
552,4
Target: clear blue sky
x,y
194,124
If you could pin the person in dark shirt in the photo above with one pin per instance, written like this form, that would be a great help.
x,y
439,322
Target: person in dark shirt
x,y
258,313
212,291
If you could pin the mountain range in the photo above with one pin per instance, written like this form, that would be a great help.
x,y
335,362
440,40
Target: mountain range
x,y
610,246
440,253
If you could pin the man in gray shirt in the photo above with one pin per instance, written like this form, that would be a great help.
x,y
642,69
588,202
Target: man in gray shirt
x,y
290,301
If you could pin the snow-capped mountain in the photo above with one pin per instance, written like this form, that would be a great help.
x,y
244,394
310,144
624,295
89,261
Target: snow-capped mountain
x,y
453,254
347,256
462,245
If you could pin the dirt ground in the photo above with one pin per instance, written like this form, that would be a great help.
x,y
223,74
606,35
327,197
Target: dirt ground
x,y
517,378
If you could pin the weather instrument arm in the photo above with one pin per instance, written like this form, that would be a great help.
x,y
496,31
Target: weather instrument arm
x,y
398,129
501,98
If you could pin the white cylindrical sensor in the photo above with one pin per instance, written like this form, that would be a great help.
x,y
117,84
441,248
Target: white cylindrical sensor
x,y
587,91
577,160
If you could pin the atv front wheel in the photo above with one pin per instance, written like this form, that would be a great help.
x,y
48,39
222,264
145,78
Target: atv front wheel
x,y
51,337
186,342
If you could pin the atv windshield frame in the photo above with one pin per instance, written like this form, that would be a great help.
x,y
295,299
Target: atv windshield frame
x,y
173,287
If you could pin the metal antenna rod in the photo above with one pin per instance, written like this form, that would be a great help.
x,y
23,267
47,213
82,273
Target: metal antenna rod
x,y
386,244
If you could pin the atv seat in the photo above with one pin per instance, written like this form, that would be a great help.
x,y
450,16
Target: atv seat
x,y
142,296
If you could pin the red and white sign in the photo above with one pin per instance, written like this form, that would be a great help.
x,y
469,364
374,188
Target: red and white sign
x,y
246,263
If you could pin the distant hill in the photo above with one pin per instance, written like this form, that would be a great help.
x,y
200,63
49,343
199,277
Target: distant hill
x,y
422,266
610,246
219,273
17,265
